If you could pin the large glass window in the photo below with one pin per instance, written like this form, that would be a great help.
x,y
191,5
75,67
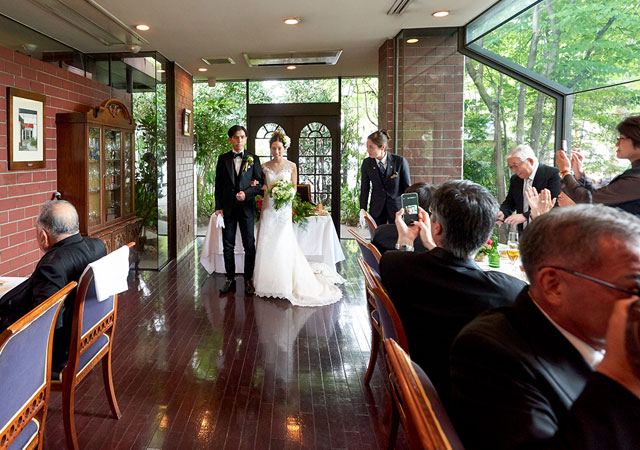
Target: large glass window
x,y
293,91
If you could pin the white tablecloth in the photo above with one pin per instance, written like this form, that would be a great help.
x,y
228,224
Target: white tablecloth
x,y
318,240
506,266
8,283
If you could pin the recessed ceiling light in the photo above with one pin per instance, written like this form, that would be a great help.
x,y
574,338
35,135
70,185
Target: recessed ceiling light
x,y
412,41
440,14
161,71
143,27
291,67
292,21
202,69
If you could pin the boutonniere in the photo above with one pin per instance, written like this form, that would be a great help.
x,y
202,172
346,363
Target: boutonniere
x,y
395,175
247,162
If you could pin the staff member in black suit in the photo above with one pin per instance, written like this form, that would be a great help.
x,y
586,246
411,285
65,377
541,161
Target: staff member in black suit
x,y
66,255
523,376
386,175
527,172
235,200
437,293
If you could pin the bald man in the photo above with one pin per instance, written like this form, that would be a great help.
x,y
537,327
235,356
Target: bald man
x,y
66,255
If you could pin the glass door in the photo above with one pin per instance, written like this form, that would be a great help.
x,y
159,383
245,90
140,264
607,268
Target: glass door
x,y
112,174
93,169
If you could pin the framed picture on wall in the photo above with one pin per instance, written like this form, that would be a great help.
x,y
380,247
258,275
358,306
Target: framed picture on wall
x,y
26,131
186,122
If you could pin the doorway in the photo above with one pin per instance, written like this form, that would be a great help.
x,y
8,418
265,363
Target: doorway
x,y
314,130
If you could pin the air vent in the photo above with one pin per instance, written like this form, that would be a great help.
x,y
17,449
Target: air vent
x,y
398,7
219,60
329,57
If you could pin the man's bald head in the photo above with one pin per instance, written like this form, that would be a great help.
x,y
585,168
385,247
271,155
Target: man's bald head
x,y
59,219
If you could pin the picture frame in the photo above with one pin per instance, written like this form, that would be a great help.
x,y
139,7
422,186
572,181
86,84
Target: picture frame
x,y
26,133
187,119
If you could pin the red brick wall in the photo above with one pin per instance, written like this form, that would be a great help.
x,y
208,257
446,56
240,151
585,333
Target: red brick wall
x,y
23,191
430,122
184,163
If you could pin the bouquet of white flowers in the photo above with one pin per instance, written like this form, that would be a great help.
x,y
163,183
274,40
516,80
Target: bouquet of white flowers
x,y
281,193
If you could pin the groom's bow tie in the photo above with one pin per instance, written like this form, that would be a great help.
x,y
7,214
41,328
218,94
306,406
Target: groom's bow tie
x,y
238,155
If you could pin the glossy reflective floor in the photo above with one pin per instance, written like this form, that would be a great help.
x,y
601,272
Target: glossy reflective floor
x,y
194,369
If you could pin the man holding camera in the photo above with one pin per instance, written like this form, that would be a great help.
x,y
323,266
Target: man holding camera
x,y
438,292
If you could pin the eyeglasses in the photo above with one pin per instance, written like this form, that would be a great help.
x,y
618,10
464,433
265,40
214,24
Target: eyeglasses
x,y
635,291
621,138
515,166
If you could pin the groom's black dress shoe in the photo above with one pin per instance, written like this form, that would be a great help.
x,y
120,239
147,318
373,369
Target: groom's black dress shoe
x,y
249,289
229,285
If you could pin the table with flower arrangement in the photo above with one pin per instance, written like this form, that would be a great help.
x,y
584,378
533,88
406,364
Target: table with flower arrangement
x,y
316,237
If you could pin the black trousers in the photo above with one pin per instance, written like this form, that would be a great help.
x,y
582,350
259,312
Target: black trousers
x,y
229,242
385,215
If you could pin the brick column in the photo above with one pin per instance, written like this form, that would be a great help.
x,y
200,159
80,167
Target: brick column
x,y
184,163
430,113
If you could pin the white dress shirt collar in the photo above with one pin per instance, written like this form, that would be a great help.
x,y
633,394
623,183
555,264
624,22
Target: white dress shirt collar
x,y
384,159
592,356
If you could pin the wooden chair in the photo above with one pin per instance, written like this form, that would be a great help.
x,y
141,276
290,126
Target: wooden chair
x,y
304,192
417,404
385,321
370,253
25,370
94,324
371,224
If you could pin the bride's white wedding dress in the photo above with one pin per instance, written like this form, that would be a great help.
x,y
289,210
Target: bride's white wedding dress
x,y
281,269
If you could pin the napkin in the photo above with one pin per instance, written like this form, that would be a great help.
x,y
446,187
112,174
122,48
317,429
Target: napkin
x,y
110,273
219,221
363,224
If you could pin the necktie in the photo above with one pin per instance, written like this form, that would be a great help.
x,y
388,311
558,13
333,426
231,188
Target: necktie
x,y
382,168
525,202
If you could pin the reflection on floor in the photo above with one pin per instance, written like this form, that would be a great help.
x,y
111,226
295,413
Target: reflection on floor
x,y
193,369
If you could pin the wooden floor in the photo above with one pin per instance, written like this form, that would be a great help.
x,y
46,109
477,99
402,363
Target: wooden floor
x,y
196,370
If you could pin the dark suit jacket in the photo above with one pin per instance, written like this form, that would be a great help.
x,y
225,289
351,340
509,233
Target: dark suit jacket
x,y
436,295
546,177
385,238
384,192
63,263
226,189
517,382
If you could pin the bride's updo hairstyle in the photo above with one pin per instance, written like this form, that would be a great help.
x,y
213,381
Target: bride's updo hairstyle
x,y
279,136
380,138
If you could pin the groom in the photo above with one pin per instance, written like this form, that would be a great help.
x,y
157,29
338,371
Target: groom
x,y
235,202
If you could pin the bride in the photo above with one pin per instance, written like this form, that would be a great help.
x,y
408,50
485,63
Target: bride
x,y
281,269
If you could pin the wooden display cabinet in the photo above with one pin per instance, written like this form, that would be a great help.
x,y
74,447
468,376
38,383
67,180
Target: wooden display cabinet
x,y
96,167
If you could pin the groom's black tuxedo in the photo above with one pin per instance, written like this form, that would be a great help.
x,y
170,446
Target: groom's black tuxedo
x,y
235,212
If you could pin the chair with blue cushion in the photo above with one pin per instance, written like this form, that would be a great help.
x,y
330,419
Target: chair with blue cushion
x,y
370,253
371,224
417,404
94,323
25,367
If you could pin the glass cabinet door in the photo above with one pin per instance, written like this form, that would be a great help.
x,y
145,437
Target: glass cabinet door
x,y
128,174
112,174
94,176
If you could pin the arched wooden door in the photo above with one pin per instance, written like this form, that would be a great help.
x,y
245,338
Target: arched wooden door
x,y
314,130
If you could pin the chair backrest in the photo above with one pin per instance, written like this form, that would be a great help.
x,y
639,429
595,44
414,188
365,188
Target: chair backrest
x,y
425,421
370,253
25,365
389,318
304,192
371,224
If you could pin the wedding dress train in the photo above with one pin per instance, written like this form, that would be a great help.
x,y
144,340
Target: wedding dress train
x,y
281,269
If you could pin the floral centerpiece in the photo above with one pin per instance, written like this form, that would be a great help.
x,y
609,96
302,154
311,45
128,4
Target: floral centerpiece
x,y
281,193
486,249
301,211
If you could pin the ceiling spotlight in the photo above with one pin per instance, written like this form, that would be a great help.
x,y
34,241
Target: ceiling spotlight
x,y
292,21
143,27
412,41
161,71
135,48
202,69
440,14
291,67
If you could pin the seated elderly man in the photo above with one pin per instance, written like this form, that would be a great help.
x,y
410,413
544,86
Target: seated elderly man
x,y
66,256
437,293
528,172
386,235
532,375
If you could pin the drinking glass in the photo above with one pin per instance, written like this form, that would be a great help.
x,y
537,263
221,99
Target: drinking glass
x,y
513,251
